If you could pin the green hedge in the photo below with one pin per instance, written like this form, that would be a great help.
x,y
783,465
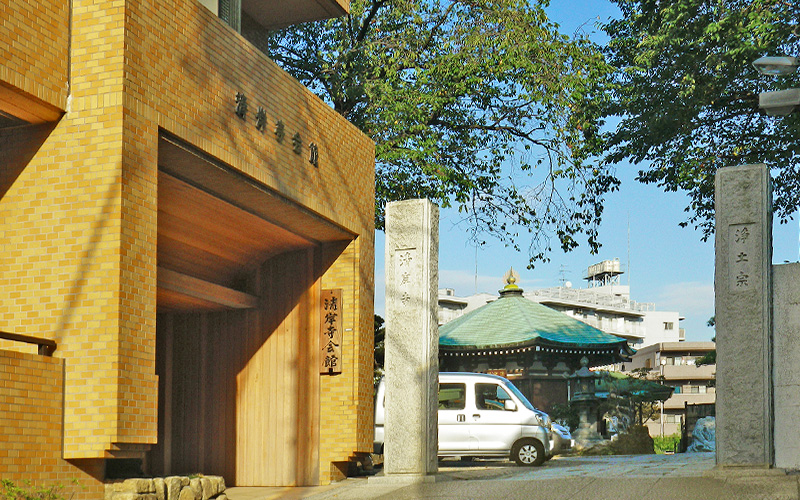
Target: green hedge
x,y
667,443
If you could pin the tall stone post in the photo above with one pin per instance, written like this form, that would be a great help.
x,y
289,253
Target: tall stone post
x,y
743,289
412,340
786,369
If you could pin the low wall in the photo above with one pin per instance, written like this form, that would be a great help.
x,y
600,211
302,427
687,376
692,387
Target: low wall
x,y
168,488
31,413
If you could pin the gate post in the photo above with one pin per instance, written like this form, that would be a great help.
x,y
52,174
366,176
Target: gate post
x,y
743,289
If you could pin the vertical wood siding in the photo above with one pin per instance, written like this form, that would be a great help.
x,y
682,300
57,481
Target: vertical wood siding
x,y
239,390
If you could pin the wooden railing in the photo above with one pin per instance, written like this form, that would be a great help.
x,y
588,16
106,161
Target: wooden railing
x,y
46,346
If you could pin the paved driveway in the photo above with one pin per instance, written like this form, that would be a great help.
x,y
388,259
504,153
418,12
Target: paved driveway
x,y
688,476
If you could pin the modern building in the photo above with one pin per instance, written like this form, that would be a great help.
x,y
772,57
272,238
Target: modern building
x,y
531,344
673,364
605,304
186,249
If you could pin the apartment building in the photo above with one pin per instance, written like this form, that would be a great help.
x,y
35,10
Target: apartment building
x,y
674,364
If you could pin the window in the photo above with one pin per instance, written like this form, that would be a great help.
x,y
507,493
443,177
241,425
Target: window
x,y
452,396
668,325
490,397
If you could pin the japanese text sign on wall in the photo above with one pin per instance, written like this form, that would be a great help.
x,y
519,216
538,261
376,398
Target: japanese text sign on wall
x,y
330,339
405,274
261,121
742,256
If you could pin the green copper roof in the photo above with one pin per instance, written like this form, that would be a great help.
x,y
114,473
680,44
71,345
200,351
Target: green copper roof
x,y
512,319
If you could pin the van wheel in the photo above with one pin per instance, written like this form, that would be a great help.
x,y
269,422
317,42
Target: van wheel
x,y
528,452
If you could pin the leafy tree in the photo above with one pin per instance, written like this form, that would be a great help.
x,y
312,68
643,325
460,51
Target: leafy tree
x,y
687,95
476,104
634,399
380,349
709,358
566,415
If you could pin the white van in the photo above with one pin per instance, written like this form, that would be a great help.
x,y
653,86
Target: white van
x,y
482,416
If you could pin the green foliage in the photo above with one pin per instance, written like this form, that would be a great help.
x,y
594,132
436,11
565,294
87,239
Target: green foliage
x,y
687,95
476,104
709,358
11,491
634,399
667,443
566,415
380,349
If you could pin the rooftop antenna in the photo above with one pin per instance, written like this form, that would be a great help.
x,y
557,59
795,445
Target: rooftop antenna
x,y
628,265
476,269
562,274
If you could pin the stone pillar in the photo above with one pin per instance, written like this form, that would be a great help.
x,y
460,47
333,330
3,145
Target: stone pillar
x,y
743,289
412,339
786,372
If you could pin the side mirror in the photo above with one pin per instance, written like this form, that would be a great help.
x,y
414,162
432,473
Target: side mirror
x,y
510,405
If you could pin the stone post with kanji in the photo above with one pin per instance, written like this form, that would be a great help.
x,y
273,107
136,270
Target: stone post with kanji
x,y
743,290
412,340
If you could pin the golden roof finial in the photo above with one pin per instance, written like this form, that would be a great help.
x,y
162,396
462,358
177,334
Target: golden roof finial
x,y
511,277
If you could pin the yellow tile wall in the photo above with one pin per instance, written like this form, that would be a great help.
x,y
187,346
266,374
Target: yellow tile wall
x,y
30,416
190,91
346,413
78,223
34,46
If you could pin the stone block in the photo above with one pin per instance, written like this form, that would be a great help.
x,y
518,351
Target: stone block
x,y
207,488
743,291
197,487
412,342
173,485
220,482
138,485
161,492
125,495
188,493
786,364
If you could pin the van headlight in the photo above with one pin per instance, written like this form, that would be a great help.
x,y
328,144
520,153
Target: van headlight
x,y
544,420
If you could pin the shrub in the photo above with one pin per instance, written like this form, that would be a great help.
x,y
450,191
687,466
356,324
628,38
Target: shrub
x,y
10,491
667,443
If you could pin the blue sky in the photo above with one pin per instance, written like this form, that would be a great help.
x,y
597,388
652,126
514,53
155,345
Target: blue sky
x,y
667,264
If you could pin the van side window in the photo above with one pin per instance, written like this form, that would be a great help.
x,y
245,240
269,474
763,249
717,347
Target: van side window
x,y
490,397
452,396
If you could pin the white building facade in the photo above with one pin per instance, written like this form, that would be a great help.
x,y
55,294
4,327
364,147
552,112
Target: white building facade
x,y
675,364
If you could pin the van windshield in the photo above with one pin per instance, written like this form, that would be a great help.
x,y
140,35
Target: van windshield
x,y
520,396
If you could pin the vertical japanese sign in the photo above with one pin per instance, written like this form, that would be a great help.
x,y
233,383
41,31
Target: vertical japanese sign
x,y
405,274
331,332
741,258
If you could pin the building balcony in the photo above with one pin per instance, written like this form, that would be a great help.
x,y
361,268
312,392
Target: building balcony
x,y
679,401
688,372
274,14
590,299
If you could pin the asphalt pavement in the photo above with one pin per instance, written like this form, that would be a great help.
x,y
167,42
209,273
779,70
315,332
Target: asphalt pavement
x,y
690,476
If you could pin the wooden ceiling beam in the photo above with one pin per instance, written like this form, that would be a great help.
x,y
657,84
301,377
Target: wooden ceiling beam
x,y
205,290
